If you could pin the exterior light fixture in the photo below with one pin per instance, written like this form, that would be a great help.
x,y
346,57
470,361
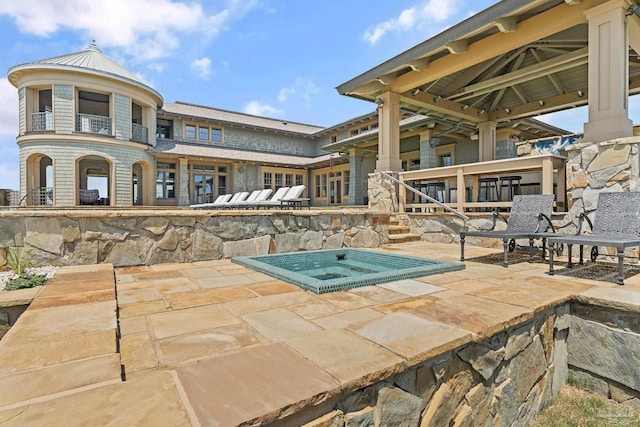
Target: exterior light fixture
x,y
380,102
507,110
481,112
464,107
541,103
437,98
580,94
415,91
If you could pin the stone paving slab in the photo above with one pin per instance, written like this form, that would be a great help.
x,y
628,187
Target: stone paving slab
x,y
414,338
63,287
152,400
180,300
207,344
612,297
255,384
353,360
411,287
347,318
21,386
272,301
21,357
137,353
59,322
19,297
279,324
172,323
72,299
525,295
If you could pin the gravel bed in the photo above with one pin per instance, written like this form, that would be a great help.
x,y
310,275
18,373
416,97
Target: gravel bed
x,y
48,271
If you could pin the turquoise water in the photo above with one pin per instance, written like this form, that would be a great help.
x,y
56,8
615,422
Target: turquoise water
x,y
338,269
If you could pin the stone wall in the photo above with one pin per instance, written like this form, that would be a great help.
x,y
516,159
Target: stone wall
x,y
135,237
506,379
503,380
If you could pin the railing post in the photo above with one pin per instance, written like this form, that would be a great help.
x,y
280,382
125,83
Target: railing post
x,y
402,195
461,190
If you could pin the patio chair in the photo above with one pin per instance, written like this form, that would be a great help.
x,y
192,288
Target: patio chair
x,y
530,216
247,199
616,223
289,198
237,197
89,197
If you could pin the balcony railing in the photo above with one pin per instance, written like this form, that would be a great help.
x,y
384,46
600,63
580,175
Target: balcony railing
x,y
139,133
42,121
90,123
546,173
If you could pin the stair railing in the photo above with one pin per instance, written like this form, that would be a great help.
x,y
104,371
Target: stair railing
x,y
426,196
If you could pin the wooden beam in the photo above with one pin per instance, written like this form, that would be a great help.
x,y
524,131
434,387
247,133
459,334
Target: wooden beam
x,y
533,108
533,29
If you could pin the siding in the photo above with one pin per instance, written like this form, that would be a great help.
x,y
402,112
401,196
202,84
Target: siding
x,y
63,109
122,116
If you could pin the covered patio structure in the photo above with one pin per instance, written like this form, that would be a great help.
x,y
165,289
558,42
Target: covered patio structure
x,y
515,59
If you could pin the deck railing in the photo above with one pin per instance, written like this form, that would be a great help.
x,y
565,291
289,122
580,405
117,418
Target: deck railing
x,y
91,123
546,173
42,121
139,133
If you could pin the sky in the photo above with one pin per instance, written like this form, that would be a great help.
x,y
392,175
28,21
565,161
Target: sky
x,y
274,58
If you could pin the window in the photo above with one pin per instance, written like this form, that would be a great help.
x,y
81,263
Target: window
x,y
334,138
347,184
268,180
288,180
278,180
165,180
203,133
190,131
445,155
164,129
299,180
354,132
364,129
216,135
206,182
374,126
318,187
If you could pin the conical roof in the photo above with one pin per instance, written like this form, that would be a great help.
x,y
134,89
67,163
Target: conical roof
x,y
90,60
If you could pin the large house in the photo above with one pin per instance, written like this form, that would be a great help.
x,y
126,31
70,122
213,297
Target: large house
x,y
84,117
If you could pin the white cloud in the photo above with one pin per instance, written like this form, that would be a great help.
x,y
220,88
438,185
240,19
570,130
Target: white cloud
x,y
258,108
285,92
303,88
202,67
416,16
147,29
8,109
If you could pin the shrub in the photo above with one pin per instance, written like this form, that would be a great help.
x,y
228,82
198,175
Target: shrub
x,y
18,258
26,280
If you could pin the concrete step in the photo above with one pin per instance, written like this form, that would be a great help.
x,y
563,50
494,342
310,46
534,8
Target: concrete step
x,y
404,238
399,229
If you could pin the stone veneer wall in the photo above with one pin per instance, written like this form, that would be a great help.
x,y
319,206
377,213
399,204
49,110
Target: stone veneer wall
x,y
506,379
135,237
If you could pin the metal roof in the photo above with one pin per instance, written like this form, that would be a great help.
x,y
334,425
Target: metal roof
x,y
171,148
234,118
90,60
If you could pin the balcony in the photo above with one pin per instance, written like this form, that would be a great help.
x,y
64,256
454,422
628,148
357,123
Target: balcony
x,y
139,133
42,121
90,123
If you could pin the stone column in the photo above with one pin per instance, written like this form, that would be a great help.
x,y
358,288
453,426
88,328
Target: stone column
x,y
608,73
183,173
487,141
389,134
506,147
427,150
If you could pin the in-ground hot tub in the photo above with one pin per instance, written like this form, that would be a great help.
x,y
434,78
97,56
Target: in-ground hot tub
x,y
338,269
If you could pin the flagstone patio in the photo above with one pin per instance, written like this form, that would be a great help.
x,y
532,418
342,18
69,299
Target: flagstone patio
x,y
213,343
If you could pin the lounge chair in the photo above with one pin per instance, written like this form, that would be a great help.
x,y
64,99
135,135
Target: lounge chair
x,y
247,199
279,194
262,195
616,223
89,197
529,218
224,198
288,198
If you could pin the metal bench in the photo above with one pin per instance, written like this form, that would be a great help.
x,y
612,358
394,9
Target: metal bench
x,y
616,224
529,218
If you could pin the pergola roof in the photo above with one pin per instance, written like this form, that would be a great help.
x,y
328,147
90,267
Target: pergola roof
x,y
518,58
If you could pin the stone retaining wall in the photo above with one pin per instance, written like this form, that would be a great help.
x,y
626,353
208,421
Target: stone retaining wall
x,y
505,380
136,237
